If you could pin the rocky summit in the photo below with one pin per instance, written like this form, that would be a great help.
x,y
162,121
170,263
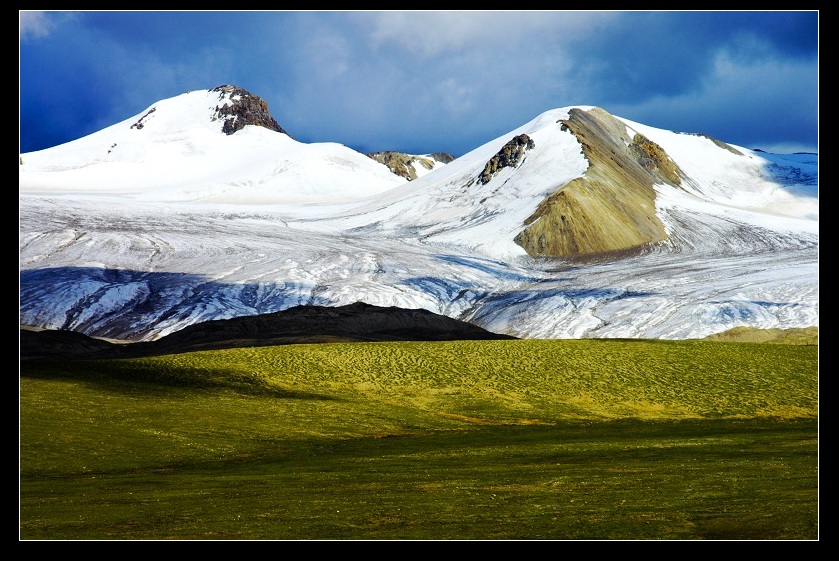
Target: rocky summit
x,y
238,108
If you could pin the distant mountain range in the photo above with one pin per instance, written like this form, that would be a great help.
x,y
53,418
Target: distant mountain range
x,y
577,224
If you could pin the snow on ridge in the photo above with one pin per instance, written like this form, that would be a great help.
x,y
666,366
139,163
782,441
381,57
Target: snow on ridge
x,y
293,223
739,177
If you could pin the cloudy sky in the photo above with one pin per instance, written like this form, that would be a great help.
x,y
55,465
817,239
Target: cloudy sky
x,y
425,81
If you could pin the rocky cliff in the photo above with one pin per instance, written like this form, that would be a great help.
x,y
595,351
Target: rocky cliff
x,y
240,108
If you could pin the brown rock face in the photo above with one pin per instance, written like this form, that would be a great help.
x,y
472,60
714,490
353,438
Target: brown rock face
x,y
510,155
244,109
403,164
610,210
397,162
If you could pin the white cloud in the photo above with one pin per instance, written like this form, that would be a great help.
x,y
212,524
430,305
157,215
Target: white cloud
x,y
456,98
35,24
326,54
429,34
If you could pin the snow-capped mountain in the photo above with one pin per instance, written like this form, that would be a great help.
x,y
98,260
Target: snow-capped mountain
x,y
187,149
576,224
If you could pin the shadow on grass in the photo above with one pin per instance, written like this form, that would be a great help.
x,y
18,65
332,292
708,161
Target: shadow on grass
x,y
608,444
695,479
137,377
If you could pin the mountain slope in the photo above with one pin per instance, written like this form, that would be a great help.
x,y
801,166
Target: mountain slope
x,y
576,224
611,207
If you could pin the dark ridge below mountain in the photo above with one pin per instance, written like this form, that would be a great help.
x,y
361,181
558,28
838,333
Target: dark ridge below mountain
x,y
357,322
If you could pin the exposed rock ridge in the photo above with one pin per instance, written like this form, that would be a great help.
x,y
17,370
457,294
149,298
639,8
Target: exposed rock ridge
x,y
442,157
240,108
403,164
654,159
719,143
141,121
510,155
611,209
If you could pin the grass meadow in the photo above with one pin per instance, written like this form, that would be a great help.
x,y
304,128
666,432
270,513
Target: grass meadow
x,y
466,440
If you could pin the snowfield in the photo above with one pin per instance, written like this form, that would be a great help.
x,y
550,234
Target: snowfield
x,y
134,234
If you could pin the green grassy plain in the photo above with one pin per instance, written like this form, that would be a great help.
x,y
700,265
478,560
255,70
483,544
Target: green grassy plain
x,y
465,440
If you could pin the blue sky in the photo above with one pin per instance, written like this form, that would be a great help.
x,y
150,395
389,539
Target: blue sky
x,y
429,81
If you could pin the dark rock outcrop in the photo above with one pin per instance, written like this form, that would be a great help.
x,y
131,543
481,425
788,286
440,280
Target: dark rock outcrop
x,y
241,108
141,121
510,155
442,157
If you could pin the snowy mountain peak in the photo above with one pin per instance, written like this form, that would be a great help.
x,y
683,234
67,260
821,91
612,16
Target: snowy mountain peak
x,y
230,105
215,146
